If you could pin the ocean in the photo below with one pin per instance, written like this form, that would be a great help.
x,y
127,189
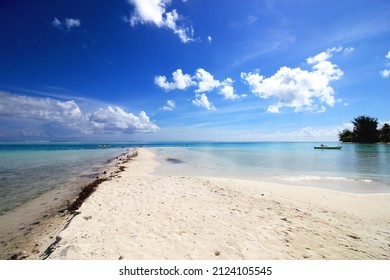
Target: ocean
x,y
356,168
27,170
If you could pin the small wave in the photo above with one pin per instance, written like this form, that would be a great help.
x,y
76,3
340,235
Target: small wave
x,y
301,178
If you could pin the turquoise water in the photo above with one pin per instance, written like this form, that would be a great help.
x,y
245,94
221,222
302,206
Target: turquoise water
x,y
30,169
356,168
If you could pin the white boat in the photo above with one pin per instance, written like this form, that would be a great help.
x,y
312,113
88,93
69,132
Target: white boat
x,y
325,147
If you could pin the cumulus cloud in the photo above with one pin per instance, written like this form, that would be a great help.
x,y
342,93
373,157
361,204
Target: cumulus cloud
x,y
38,108
170,106
386,73
202,101
324,67
154,12
180,81
114,118
209,38
206,81
202,79
300,89
49,111
148,11
227,89
67,23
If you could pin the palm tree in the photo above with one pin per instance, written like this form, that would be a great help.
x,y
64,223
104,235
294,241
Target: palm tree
x,y
384,133
365,129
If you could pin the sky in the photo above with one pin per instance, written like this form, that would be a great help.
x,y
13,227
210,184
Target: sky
x,y
191,70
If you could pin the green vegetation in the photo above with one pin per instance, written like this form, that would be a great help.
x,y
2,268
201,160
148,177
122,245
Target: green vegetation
x,y
384,133
366,131
346,136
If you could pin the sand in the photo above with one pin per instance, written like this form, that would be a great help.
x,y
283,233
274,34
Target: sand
x,y
138,215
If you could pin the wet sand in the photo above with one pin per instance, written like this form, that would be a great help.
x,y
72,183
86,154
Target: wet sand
x,y
138,215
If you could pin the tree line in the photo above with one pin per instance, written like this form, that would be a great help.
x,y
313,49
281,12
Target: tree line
x,y
366,130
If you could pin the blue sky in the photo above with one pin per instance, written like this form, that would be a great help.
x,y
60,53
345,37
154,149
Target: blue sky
x,y
160,70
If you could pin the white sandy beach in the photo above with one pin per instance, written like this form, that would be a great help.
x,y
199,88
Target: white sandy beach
x,y
138,215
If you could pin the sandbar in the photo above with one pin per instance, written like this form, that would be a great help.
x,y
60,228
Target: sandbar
x,y
137,215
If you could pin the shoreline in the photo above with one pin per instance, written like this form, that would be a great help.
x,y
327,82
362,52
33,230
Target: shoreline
x,y
262,166
30,228
138,215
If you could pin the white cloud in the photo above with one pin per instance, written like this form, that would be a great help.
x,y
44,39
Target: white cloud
x,y
154,12
203,79
67,24
56,23
325,68
71,22
209,38
348,126
386,73
69,114
254,80
114,118
296,88
227,89
206,81
170,106
180,81
38,108
349,50
185,33
148,11
273,109
202,101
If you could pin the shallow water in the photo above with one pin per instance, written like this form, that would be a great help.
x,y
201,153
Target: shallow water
x,y
356,168
29,170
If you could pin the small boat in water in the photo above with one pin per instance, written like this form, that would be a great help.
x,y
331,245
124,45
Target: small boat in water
x,y
325,147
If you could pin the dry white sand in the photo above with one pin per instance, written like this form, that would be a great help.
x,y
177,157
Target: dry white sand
x,y
137,215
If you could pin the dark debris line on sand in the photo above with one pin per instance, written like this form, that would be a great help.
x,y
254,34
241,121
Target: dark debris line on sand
x,y
85,193
90,188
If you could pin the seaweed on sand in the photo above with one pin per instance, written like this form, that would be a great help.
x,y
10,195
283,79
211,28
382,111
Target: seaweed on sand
x,y
85,193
